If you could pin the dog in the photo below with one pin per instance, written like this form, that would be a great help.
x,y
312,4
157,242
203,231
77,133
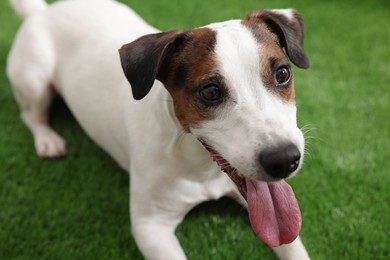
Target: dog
x,y
191,115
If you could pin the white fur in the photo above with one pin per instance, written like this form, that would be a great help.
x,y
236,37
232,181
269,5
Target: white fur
x,y
72,46
264,118
289,13
27,7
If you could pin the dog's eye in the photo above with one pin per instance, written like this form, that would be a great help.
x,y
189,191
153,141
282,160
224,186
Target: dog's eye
x,y
210,93
282,75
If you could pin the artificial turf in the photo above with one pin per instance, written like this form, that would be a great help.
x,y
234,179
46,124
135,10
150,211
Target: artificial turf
x,y
77,207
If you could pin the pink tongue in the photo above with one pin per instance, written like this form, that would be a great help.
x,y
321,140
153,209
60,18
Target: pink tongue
x,y
273,211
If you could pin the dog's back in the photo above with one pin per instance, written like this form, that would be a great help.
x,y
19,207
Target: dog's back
x,y
71,48
25,8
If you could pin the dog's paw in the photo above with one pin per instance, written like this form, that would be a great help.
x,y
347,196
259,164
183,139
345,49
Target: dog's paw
x,y
49,144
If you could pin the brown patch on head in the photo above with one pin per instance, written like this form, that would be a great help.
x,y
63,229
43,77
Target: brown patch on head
x,y
192,66
271,55
288,29
271,59
183,60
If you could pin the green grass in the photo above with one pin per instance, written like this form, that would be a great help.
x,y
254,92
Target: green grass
x,y
77,208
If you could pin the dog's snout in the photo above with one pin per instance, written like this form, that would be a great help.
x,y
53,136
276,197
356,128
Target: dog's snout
x,y
279,162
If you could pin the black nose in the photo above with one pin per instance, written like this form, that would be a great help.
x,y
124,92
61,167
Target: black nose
x,y
281,161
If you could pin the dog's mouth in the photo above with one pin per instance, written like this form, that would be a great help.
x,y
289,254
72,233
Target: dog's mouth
x,y
273,209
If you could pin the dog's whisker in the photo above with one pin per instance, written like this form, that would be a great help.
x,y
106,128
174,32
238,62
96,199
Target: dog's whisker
x,y
306,130
307,152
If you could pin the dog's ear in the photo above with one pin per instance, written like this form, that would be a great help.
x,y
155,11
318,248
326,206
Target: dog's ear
x,y
288,26
142,60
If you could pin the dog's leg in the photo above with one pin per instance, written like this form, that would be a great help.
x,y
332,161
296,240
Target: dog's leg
x,y
34,112
153,229
157,240
157,206
293,251
30,69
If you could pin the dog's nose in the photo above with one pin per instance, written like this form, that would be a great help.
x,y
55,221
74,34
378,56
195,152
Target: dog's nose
x,y
281,161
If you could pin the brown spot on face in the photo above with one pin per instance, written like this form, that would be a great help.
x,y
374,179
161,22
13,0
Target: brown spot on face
x,y
271,59
141,59
180,75
271,56
192,66
289,32
183,60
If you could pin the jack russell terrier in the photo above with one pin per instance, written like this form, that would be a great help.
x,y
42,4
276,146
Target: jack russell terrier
x,y
213,110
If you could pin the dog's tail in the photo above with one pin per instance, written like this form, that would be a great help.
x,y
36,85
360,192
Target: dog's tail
x,y
26,7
